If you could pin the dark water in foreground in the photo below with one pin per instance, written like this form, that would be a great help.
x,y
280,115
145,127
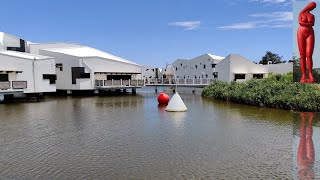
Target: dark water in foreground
x,y
130,137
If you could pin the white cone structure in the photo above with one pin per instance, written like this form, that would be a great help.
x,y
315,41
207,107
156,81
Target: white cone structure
x,y
176,104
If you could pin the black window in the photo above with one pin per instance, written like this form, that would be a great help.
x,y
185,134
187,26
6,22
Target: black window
x,y
181,64
78,73
215,74
239,76
176,69
195,76
213,65
60,66
196,67
206,75
258,76
204,66
22,47
4,77
52,78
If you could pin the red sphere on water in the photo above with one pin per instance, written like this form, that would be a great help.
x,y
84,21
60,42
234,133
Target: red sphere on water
x,y
163,98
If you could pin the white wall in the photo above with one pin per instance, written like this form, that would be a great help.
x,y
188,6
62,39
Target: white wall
x,y
64,78
25,65
223,69
185,68
282,68
44,67
10,41
236,64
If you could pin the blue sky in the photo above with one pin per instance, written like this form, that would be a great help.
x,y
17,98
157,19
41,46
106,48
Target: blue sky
x,y
156,32
297,7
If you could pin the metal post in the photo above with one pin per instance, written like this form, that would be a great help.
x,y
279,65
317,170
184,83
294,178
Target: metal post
x,y
120,82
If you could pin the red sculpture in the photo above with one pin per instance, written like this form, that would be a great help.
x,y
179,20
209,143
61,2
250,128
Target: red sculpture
x,y
306,154
306,41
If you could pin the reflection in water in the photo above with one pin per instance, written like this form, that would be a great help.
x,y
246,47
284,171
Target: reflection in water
x,y
306,148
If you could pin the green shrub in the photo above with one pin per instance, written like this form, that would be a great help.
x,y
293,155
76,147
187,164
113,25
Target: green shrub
x,y
276,91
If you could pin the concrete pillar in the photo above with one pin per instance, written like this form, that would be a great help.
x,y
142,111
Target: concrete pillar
x,y
69,92
134,91
1,97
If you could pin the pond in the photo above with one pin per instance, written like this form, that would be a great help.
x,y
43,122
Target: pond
x,y
131,137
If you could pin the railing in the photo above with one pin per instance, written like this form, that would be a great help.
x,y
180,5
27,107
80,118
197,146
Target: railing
x,y
140,82
119,83
6,85
179,81
19,85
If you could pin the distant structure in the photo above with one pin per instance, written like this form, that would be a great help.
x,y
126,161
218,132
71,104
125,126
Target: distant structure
x,y
150,72
203,66
34,68
234,67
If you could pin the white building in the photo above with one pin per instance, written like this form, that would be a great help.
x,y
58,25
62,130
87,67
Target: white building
x,y
232,68
71,66
80,67
26,73
196,68
237,68
150,72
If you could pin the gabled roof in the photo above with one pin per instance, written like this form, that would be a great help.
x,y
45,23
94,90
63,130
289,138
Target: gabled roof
x,y
24,55
85,51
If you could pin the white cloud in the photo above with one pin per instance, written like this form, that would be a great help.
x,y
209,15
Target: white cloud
x,y
264,20
247,25
275,2
187,25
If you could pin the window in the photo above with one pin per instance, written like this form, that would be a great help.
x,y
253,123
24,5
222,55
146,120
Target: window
x,y
258,76
213,65
4,77
60,66
196,66
239,76
176,69
147,69
215,74
181,64
52,78
206,75
78,73
22,47
195,76
204,66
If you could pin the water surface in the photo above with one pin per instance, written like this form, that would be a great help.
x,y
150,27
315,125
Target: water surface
x,y
131,137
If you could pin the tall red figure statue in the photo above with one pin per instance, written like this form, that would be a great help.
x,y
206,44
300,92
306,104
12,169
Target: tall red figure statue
x,y
306,41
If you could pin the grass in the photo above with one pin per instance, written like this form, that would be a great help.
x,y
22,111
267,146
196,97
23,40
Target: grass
x,y
276,91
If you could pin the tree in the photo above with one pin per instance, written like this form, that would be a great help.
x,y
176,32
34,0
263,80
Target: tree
x,y
295,60
272,57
